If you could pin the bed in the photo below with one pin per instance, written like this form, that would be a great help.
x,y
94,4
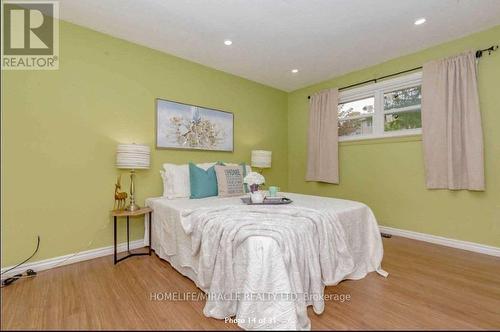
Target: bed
x,y
265,265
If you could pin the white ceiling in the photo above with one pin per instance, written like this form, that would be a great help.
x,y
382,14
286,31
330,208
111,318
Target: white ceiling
x,y
322,38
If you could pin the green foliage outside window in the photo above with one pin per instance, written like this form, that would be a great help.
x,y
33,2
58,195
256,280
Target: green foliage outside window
x,y
404,120
401,99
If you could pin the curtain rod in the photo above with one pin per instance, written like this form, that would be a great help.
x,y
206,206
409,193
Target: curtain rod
x,y
479,53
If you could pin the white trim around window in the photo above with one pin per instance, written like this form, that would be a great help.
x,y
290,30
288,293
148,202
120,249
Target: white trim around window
x,y
377,90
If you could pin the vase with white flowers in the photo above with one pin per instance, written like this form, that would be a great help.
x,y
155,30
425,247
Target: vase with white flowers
x,y
254,180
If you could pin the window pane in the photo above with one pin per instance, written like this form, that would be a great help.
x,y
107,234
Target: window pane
x,y
356,108
402,109
353,127
402,98
402,120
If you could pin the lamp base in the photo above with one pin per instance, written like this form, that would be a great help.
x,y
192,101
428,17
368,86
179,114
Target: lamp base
x,y
132,207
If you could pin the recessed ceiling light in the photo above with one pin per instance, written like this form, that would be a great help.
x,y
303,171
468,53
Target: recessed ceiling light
x,y
420,21
227,42
295,71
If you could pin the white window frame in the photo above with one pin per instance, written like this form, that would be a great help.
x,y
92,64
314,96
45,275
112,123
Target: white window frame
x,y
378,90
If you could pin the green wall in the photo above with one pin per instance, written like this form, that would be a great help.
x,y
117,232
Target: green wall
x,y
388,174
60,130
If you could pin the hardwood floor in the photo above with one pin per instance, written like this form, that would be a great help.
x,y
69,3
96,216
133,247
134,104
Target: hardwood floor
x,y
429,287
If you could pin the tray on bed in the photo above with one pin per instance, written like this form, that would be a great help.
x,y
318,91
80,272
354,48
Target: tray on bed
x,y
284,200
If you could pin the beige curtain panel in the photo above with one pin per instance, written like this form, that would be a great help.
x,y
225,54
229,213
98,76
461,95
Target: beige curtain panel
x,y
451,124
322,152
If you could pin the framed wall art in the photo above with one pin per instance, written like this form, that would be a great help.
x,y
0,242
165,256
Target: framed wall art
x,y
184,126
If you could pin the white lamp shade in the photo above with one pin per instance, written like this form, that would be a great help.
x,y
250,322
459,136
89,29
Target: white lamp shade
x,y
261,158
133,156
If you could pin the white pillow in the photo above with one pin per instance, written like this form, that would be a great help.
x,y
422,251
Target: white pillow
x,y
204,166
176,179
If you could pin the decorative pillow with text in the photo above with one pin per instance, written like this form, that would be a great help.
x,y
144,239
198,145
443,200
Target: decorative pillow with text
x,y
230,180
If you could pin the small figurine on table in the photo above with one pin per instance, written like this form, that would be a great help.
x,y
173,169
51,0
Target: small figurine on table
x,y
120,197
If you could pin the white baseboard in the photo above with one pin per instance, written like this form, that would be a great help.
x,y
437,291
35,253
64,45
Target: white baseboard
x,y
105,251
72,258
459,244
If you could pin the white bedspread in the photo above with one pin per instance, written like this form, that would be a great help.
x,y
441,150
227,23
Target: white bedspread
x,y
258,263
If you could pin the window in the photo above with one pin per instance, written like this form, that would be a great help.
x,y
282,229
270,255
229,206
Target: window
x,y
356,117
386,109
402,109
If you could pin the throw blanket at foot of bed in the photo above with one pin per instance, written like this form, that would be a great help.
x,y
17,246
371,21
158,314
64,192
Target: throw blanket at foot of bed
x,y
302,251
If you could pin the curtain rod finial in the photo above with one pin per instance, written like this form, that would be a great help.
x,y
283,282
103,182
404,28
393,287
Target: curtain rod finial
x,y
479,53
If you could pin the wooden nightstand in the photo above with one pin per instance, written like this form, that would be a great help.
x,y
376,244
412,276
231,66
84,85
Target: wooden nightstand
x,y
128,214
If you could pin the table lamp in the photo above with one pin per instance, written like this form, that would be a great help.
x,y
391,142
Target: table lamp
x,y
261,159
132,157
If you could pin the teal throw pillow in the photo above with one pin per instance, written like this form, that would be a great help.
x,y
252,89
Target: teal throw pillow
x,y
203,183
